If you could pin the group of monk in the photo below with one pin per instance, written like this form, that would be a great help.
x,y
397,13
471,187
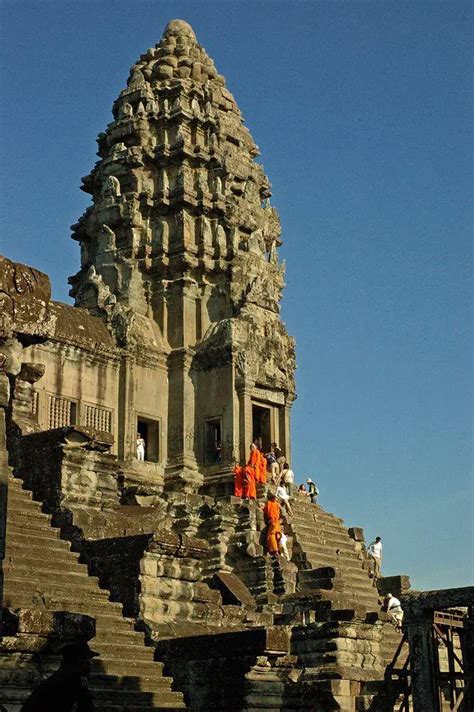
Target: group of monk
x,y
247,477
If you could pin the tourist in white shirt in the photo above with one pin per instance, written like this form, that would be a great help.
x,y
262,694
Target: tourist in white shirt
x,y
282,496
288,477
394,610
374,551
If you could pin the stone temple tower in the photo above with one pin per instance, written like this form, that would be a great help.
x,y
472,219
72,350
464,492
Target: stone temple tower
x,y
179,256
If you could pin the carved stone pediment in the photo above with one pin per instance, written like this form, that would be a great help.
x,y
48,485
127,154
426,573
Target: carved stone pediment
x,y
25,295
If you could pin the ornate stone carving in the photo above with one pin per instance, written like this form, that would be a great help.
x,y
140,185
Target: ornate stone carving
x,y
110,190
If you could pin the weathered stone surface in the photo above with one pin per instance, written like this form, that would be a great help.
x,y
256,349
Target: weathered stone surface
x,y
25,294
233,590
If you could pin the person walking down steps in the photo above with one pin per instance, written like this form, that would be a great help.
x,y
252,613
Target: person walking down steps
x,y
393,607
271,515
312,491
374,551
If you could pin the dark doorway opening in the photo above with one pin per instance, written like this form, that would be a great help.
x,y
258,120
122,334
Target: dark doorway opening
x,y
213,441
261,426
150,431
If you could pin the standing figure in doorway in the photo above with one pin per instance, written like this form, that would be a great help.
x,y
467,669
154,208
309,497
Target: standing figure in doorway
x,y
140,447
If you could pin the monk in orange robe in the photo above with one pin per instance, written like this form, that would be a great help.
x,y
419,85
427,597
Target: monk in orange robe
x,y
239,473
249,486
272,514
262,468
258,462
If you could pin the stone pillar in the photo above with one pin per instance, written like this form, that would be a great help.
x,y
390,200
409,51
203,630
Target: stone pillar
x,y
181,472
418,626
125,437
245,419
285,429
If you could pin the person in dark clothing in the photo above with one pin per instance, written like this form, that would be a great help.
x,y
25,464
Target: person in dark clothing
x,y
312,491
66,689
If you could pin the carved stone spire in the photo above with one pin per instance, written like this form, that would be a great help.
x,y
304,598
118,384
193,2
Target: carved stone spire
x,y
181,235
176,161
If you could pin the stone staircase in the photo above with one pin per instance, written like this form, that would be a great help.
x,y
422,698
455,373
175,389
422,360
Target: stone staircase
x,y
41,571
321,541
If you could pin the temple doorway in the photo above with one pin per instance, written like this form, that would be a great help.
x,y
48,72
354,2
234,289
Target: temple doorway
x,y
150,431
261,426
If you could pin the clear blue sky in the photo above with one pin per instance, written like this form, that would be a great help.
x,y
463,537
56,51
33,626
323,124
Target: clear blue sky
x,y
363,112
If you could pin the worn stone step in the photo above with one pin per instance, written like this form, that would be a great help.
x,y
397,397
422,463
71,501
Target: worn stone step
x,y
350,578
72,590
308,537
61,578
315,536
144,669
329,558
18,533
318,523
310,512
51,565
124,651
109,633
154,682
43,555
135,697
21,497
113,619
30,599
18,510
328,549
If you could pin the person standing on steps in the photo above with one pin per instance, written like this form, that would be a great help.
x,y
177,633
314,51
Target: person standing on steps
x,y
280,458
283,498
273,466
140,447
374,551
271,515
312,491
288,478
66,689
283,545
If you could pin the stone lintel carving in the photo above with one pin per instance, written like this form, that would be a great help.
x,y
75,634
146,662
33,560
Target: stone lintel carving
x,y
276,397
